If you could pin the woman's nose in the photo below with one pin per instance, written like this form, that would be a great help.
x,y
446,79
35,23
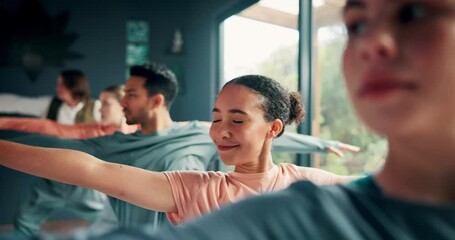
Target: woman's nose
x,y
224,132
378,43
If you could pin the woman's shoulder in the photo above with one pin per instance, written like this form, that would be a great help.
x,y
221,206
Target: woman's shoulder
x,y
315,175
189,176
291,167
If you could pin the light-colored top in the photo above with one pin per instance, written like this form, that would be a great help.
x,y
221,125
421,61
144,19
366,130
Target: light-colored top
x,y
67,114
197,193
39,106
52,128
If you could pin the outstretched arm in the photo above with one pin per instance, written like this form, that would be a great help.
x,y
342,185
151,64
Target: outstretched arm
x,y
36,106
299,143
345,179
53,128
342,147
144,188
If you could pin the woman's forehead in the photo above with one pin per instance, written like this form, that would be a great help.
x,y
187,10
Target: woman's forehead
x,y
106,95
236,92
238,97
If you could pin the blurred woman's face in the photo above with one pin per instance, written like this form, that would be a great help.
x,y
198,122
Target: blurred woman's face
x,y
399,65
63,92
111,109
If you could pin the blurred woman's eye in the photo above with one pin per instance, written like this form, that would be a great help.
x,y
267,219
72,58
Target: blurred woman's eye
x,y
411,12
356,22
236,121
216,120
356,28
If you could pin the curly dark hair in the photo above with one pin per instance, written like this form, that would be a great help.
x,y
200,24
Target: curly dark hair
x,y
277,102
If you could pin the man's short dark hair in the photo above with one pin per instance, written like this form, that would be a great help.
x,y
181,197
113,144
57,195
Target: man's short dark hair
x,y
159,79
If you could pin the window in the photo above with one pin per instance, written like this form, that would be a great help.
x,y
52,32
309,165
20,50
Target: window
x,y
263,39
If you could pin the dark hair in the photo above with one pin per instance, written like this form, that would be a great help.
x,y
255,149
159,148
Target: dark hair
x,y
76,82
159,79
277,102
117,90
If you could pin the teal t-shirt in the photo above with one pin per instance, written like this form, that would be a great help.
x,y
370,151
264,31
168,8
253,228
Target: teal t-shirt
x,y
307,211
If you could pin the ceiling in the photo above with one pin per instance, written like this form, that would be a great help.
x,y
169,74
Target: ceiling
x,y
327,12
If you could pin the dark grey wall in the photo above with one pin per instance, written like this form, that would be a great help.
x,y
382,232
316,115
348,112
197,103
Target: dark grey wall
x,y
101,30
201,61
102,37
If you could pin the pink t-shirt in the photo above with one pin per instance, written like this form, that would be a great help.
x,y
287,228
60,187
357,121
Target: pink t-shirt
x,y
197,193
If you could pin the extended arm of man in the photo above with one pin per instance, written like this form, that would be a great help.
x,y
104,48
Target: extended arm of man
x,y
299,143
144,188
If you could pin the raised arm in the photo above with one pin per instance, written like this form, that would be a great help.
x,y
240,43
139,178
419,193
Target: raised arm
x,y
36,106
299,143
144,188
345,179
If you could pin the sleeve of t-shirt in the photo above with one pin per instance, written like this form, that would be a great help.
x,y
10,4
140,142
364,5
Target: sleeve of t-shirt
x,y
195,193
317,176
322,177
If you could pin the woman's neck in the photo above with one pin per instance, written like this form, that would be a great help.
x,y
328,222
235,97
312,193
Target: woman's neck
x,y
256,167
72,103
419,170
